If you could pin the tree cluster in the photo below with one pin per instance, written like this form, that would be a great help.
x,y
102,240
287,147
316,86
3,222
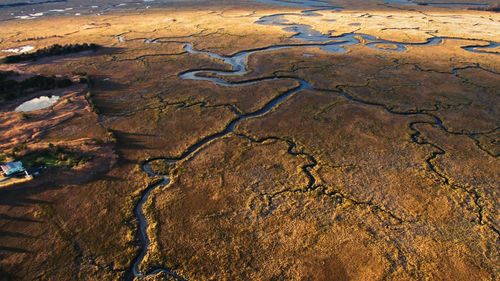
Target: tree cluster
x,y
53,50
11,88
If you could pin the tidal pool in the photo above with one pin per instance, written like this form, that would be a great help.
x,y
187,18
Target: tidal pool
x,y
37,103
19,50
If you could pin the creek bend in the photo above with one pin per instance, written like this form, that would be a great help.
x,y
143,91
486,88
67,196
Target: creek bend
x,y
239,63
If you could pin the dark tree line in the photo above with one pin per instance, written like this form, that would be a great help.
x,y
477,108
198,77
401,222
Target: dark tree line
x,y
53,50
11,89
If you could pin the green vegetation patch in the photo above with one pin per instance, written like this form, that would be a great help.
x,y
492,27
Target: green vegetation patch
x,y
54,156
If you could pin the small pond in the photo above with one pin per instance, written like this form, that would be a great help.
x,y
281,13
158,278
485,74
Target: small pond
x,y
19,50
37,103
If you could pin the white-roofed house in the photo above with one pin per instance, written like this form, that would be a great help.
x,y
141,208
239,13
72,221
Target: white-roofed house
x,y
13,168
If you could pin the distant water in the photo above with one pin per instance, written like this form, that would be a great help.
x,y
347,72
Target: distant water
x,y
443,3
323,4
37,103
32,9
19,50
298,3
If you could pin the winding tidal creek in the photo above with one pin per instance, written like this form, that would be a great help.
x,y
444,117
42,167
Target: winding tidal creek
x,y
238,63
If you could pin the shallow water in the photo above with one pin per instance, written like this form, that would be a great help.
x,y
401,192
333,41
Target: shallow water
x,y
37,103
296,3
338,44
19,50
436,4
28,10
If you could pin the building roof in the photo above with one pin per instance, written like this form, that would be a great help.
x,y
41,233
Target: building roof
x,y
10,168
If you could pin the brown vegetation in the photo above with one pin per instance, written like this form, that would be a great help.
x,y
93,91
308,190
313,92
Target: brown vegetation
x,y
387,168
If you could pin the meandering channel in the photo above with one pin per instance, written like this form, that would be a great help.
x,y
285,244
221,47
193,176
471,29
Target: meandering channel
x,y
239,68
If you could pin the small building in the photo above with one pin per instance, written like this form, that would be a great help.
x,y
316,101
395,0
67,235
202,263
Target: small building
x,y
13,168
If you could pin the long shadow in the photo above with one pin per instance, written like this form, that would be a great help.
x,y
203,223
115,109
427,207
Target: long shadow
x,y
126,140
104,95
7,276
14,250
19,219
13,234
140,134
14,198
109,178
104,83
22,194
